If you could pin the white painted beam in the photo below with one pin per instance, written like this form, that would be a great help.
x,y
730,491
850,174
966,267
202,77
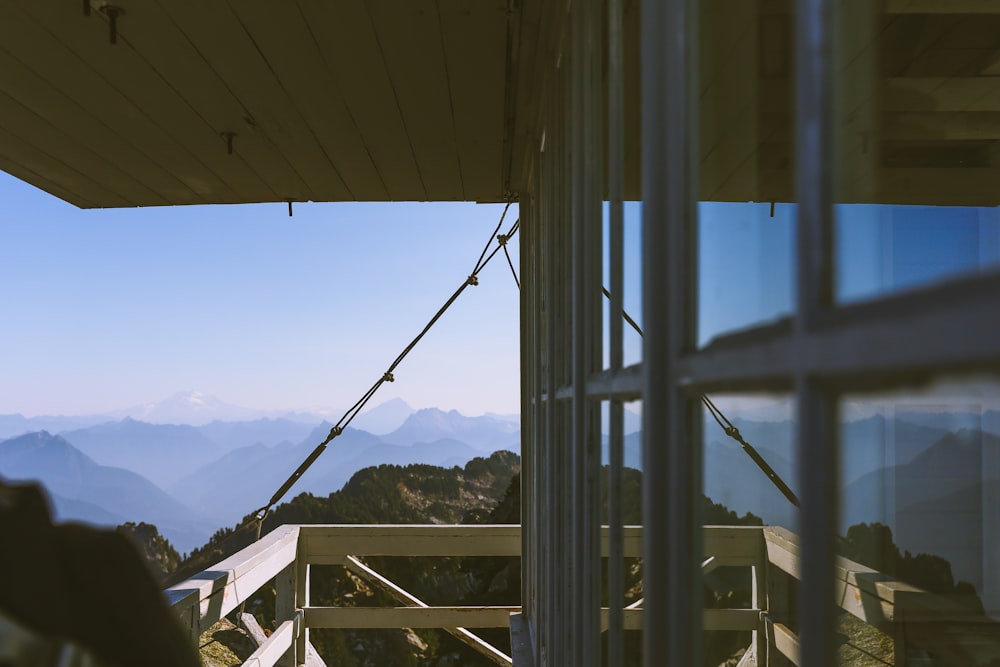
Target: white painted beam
x,y
409,617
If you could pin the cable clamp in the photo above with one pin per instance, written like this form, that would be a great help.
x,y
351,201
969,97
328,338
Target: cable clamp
x,y
473,280
388,377
502,239
334,432
732,432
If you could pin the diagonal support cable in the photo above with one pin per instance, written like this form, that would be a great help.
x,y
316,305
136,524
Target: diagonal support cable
x,y
729,429
388,376
734,433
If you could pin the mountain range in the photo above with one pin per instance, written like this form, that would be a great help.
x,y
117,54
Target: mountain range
x,y
189,480
195,408
84,490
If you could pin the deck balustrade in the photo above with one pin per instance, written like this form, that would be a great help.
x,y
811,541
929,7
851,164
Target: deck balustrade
x,y
770,553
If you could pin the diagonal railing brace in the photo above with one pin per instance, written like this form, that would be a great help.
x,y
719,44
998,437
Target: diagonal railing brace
x,y
470,639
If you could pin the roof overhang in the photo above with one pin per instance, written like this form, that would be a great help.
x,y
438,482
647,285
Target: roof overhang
x,y
208,101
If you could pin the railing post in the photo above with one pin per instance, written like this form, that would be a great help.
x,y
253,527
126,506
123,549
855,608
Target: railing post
x,y
777,605
899,639
285,585
759,600
302,599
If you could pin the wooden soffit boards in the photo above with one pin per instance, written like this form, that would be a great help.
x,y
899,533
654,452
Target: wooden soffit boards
x,y
369,100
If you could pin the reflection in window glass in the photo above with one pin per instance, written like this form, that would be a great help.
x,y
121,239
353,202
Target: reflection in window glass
x,y
745,266
885,248
744,165
632,269
732,479
920,505
916,139
739,499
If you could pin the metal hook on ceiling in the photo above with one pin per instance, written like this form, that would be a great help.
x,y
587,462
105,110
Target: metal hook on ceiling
x,y
112,12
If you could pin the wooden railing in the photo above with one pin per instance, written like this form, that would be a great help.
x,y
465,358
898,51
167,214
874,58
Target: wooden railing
x,y
285,556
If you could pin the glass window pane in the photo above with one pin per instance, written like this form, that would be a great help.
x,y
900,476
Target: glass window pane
x,y
739,498
920,513
917,132
632,275
745,264
745,228
732,478
887,248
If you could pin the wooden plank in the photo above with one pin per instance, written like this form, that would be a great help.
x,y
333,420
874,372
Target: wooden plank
x,y
226,585
540,32
783,552
731,619
239,589
253,629
314,92
631,546
272,136
76,157
268,653
256,633
411,41
114,84
941,95
433,540
872,596
781,639
346,37
474,44
749,659
939,7
910,7
782,549
43,171
727,104
959,186
262,551
329,544
712,619
71,122
409,617
738,545
936,126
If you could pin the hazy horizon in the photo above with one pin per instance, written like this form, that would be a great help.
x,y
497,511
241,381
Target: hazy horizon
x,y
117,307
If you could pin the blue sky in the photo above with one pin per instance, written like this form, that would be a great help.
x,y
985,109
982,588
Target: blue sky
x,y
105,309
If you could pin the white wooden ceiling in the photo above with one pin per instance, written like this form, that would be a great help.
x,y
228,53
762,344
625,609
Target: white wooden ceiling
x,y
326,100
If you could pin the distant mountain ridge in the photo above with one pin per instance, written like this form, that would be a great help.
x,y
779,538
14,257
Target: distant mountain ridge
x,y
383,418
161,453
193,408
484,433
83,489
244,478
